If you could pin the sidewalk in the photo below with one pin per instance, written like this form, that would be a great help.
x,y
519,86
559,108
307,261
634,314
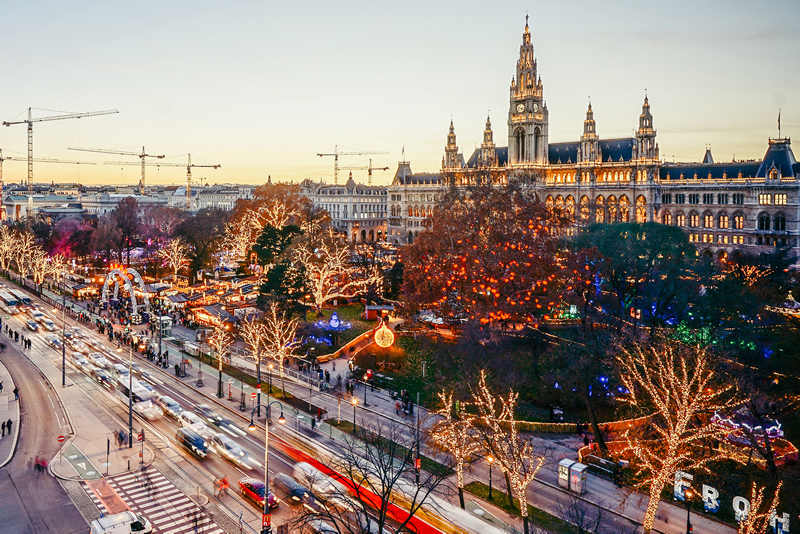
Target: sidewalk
x,y
9,410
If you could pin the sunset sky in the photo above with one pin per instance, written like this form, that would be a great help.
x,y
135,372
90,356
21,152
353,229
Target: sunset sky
x,y
261,87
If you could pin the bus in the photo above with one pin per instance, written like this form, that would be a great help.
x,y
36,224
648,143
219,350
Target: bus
x,y
23,299
9,303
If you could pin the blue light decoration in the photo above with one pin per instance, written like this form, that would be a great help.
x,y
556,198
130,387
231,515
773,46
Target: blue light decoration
x,y
334,322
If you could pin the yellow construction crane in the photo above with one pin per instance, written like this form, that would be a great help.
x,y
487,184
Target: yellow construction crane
x,y
30,120
141,156
336,155
189,166
368,169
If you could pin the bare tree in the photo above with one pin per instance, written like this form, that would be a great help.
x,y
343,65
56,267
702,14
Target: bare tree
x,y
6,246
254,334
280,333
368,485
458,436
676,385
220,340
24,246
500,436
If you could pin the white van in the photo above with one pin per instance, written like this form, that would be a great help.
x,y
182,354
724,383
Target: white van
x,y
121,523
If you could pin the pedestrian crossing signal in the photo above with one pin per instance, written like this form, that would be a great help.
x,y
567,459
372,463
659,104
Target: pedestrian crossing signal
x,y
418,464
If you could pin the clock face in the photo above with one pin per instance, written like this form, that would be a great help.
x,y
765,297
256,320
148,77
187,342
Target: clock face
x,y
520,108
535,108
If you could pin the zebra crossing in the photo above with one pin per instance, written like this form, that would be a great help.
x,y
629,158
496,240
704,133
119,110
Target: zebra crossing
x,y
152,496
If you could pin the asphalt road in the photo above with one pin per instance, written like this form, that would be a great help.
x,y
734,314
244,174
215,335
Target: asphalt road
x,y
31,504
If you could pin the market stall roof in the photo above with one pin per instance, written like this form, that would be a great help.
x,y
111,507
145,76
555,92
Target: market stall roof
x,y
177,299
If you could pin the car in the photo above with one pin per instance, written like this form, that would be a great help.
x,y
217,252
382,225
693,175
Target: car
x,y
38,316
231,451
99,360
49,325
76,355
68,335
53,341
83,364
295,492
102,377
192,442
32,325
121,523
147,410
78,345
169,406
121,370
218,420
137,371
253,489
187,418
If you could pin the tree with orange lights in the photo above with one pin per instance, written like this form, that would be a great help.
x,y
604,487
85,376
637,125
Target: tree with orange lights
x,y
677,386
457,436
280,337
328,269
497,426
493,255
760,518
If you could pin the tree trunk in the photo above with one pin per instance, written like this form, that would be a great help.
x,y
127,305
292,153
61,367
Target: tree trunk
x,y
525,523
652,507
598,435
461,497
508,490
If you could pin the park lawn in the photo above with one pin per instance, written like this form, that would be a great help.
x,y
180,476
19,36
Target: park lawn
x,y
499,498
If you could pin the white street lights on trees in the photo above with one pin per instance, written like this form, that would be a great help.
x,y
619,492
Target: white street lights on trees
x,y
266,520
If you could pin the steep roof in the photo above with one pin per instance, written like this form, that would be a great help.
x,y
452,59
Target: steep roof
x,y
779,155
501,152
716,171
613,150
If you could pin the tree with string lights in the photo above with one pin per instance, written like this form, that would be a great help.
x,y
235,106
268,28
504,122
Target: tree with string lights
x,y
328,270
760,518
175,254
497,427
220,340
280,337
457,436
677,386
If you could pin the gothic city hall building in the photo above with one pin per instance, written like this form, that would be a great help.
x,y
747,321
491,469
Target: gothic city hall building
x,y
726,208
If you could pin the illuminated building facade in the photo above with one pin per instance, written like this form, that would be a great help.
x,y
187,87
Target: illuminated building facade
x,y
726,208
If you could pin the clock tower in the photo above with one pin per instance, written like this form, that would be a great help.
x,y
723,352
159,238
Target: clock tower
x,y
527,114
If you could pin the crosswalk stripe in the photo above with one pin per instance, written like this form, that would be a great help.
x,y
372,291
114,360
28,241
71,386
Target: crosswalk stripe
x,y
167,508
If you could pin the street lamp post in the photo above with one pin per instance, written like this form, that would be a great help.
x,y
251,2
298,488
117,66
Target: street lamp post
x,y
266,520
63,334
355,403
490,459
689,494
130,393
220,394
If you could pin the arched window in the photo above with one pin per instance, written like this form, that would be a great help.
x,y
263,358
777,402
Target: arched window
x,y
694,220
641,213
537,141
519,136
738,221
548,202
600,210
708,221
570,206
584,208
612,209
722,220
410,211
763,221
416,211
680,220
779,223
666,218
624,208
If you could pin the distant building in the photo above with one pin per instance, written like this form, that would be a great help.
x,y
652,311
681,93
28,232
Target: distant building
x,y
726,208
15,206
356,210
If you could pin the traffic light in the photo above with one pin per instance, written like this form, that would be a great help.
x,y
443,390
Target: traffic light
x,y
417,465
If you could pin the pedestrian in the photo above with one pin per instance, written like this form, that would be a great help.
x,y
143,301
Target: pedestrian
x,y
1,386
4,429
585,441
397,407
38,466
334,367
8,426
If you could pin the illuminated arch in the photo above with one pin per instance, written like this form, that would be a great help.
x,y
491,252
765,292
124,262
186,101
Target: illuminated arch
x,y
120,276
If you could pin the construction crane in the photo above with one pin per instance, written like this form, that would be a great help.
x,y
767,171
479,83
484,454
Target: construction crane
x,y
189,166
38,160
30,120
368,169
336,155
141,156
